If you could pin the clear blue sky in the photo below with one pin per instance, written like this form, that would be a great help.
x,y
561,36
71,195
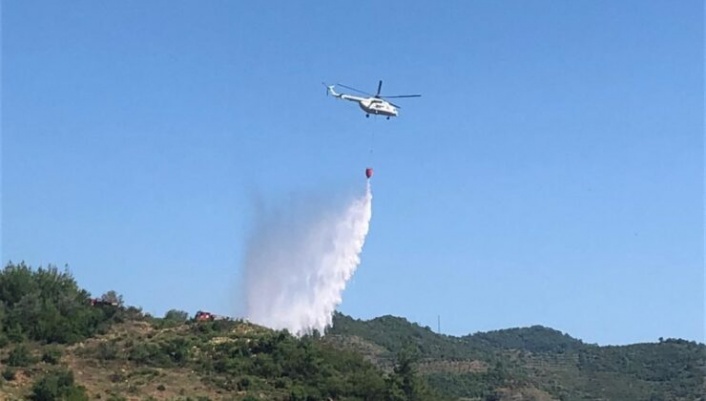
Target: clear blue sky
x,y
552,172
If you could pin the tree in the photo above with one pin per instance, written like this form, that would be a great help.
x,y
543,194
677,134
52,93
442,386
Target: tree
x,y
45,305
404,384
112,297
176,315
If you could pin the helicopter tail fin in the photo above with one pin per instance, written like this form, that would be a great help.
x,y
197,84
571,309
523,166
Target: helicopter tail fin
x,y
329,89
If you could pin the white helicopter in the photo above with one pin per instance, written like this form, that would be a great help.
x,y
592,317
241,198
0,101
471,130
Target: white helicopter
x,y
373,104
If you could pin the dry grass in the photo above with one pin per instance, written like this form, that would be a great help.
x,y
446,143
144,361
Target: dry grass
x,y
103,379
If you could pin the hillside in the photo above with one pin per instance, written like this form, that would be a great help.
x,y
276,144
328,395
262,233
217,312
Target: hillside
x,y
59,343
215,360
537,362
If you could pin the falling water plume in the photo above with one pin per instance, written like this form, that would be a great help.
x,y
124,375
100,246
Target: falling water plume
x,y
299,260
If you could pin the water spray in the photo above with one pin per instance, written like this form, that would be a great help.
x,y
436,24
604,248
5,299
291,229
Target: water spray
x,y
299,261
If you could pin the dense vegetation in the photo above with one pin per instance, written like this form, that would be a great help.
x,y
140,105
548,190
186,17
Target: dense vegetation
x,y
45,305
57,343
535,362
51,329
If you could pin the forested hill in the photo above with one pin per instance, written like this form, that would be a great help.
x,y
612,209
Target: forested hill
x,y
59,342
535,362
533,339
393,332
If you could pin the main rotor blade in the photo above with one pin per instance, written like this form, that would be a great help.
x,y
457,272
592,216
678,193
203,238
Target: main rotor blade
x,y
379,87
354,89
398,96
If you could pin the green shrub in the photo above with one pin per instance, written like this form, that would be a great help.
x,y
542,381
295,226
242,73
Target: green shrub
x,y
58,385
177,316
177,349
20,356
52,355
149,354
9,374
244,383
107,351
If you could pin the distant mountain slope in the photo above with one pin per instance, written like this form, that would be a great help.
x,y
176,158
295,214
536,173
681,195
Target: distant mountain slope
x,y
535,362
393,333
532,339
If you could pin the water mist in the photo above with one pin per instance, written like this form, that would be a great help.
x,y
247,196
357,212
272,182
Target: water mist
x,y
299,259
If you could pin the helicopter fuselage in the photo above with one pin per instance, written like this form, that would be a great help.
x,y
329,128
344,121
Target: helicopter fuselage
x,y
377,107
371,105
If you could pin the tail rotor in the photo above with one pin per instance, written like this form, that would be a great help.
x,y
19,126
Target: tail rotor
x,y
329,89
